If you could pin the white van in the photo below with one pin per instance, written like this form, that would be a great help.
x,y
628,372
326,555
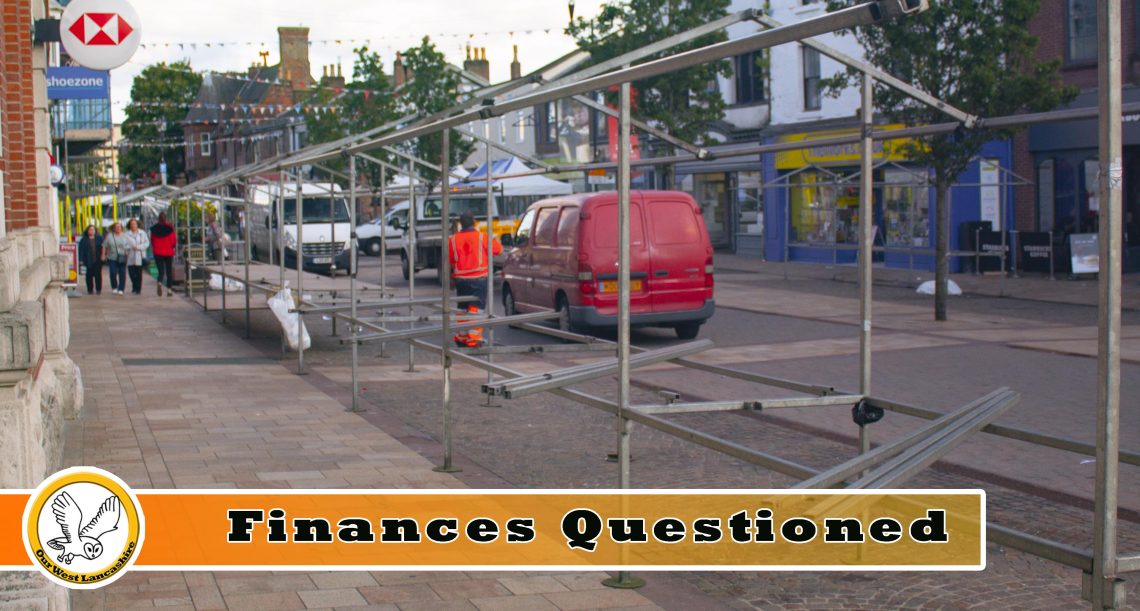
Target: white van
x,y
326,234
391,226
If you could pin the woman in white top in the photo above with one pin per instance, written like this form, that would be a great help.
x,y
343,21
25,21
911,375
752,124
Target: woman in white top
x,y
136,256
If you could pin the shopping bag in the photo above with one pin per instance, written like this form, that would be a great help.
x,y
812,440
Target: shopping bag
x,y
291,324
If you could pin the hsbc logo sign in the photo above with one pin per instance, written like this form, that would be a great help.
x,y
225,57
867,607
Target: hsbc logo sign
x,y
100,34
101,29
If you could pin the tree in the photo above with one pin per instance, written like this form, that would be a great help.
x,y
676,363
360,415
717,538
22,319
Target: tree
x,y
365,103
432,86
681,103
977,56
160,97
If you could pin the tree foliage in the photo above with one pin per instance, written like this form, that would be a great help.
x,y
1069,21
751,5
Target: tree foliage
x,y
160,96
977,56
683,103
433,86
365,103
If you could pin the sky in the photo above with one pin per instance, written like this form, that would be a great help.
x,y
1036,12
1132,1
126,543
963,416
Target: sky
x,y
213,34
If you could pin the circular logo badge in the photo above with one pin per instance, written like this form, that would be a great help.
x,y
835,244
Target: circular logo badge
x,y
100,34
83,527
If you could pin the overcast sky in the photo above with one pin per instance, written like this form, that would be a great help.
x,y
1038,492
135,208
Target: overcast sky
x,y
174,30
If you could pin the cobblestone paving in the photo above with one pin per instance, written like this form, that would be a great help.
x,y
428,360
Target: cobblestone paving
x,y
546,441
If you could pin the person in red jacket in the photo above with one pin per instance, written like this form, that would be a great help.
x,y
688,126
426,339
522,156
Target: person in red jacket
x,y
163,242
469,268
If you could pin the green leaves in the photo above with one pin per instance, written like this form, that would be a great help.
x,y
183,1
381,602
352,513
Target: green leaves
x,y
977,56
160,97
432,87
682,103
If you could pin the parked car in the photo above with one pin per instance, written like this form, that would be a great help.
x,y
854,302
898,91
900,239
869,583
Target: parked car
x,y
564,256
390,226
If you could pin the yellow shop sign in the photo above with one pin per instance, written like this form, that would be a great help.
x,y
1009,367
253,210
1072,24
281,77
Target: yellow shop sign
x,y
837,154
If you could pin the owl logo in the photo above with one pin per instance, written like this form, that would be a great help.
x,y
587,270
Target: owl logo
x,y
83,542
83,527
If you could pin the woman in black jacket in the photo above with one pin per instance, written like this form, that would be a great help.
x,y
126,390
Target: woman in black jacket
x,y
91,257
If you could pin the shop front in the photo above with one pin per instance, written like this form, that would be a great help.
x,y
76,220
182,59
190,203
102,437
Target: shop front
x,y
813,196
731,199
1066,166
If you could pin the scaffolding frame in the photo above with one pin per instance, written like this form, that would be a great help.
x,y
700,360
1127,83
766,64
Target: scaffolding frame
x,y
1103,563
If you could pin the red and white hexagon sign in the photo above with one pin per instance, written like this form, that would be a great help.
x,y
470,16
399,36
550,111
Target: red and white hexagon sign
x,y
100,34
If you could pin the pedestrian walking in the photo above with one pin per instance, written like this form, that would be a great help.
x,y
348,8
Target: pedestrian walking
x,y
216,238
467,251
91,257
164,243
116,247
136,256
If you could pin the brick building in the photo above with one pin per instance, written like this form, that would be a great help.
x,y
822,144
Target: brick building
x,y
1061,158
238,119
39,385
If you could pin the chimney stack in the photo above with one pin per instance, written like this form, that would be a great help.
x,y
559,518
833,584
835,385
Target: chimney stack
x,y
399,76
477,64
295,68
516,67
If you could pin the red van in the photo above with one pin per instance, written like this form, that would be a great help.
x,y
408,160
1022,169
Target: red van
x,y
565,254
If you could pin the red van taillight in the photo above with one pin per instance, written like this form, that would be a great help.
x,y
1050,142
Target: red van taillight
x,y
586,280
709,273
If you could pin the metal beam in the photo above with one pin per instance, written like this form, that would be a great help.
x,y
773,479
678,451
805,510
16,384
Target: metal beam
x,y
850,468
503,147
393,336
882,76
1128,564
1040,547
863,14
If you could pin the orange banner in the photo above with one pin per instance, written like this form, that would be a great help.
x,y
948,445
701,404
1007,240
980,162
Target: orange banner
x,y
447,529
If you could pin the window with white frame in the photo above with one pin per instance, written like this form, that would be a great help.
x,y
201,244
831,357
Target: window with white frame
x,y
812,98
206,142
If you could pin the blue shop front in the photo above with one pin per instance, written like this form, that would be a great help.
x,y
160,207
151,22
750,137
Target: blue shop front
x,y
811,200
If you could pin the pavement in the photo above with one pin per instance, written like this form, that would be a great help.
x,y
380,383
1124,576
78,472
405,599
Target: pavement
x,y
174,400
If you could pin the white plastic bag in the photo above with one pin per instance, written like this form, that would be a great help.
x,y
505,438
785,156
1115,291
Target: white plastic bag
x,y
927,288
291,324
230,284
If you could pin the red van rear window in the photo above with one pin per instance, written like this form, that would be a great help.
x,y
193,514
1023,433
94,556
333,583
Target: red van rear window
x,y
673,223
605,224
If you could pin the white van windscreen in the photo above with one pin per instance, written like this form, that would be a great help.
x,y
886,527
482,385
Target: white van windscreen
x,y
317,210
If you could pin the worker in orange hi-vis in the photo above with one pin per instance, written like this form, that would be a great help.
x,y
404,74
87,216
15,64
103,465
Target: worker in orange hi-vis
x,y
467,251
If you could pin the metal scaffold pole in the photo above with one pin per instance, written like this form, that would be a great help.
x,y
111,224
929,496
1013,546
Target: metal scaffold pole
x,y
248,254
410,249
383,243
623,579
445,280
490,309
1105,587
352,246
279,206
299,256
866,243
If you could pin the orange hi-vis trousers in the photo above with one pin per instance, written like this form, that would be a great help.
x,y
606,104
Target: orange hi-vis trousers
x,y
472,338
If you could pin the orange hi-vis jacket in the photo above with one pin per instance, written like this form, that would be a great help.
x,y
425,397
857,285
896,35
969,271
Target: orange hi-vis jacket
x,y
468,253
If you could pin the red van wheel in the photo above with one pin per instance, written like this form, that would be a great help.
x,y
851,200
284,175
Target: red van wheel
x,y
688,330
509,308
562,306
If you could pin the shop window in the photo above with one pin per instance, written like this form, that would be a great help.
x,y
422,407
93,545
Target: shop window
x,y
711,192
1081,30
750,77
1045,195
821,214
906,209
812,98
750,203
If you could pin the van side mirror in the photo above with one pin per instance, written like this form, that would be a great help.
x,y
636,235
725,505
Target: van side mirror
x,y
520,241
507,240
